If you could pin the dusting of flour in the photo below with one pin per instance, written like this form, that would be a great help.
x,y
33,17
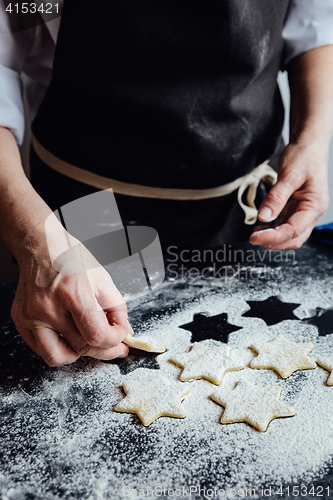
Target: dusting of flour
x,y
76,446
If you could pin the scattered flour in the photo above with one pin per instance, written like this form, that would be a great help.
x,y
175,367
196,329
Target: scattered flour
x,y
64,440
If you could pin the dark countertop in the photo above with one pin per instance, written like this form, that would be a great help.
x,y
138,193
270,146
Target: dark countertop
x,y
43,449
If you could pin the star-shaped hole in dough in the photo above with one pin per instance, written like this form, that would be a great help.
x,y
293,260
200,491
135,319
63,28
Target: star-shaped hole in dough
x,y
283,356
151,395
254,405
323,320
205,327
327,363
271,310
209,362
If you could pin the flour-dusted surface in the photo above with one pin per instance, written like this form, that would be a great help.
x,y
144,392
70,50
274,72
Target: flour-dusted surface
x,y
61,439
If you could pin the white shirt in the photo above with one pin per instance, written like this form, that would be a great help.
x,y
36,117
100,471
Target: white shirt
x,y
309,24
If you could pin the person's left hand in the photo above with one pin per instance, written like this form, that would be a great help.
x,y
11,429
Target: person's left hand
x,y
300,196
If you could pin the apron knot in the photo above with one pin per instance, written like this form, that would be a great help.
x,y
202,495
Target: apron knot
x,y
264,172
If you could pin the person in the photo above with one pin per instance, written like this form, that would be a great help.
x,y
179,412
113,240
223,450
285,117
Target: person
x,y
170,104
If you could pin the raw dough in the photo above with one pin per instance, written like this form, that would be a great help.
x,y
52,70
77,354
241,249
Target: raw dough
x,y
252,404
143,343
327,363
283,356
208,361
151,395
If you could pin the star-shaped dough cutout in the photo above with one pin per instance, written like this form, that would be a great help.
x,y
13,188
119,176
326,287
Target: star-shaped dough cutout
x,y
283,356
204,327
209,362
327,363
143,343
254,405
271,310
151,395
323,320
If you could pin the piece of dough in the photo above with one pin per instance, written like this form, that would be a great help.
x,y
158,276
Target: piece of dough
x,y
143,343
151,395
327,363
283,356
207,362
254,405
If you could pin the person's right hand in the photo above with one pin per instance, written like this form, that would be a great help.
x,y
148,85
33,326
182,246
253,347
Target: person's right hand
x,y
61,294
59,313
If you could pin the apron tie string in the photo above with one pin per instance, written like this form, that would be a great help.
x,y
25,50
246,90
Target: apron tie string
x,y
263,172
249,181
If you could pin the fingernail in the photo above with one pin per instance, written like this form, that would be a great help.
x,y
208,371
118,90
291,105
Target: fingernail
x,y
129,327
262,231
265,214
257,233
123,354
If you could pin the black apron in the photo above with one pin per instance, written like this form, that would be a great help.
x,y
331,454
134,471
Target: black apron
x,y
172,94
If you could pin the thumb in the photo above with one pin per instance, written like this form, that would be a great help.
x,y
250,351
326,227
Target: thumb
x,y
112,302
277,198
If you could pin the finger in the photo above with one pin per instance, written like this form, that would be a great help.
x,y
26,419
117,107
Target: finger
x,y
105,291
120,351
118,316
297,224
111,300
79,301
68,330
28,338
277,198
76,341
95,328
293,244
22,328
113,304
53,348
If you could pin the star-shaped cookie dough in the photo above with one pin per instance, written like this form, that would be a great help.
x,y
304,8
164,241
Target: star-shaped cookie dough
x,y
150,395
143,343
209,362
205,327
271,310
327,363
283,356
323,320
254,405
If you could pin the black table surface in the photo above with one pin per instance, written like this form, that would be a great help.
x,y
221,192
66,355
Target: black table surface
x,y
25,462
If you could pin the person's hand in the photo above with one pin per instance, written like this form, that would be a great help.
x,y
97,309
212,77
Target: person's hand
x,y
300,197
58,309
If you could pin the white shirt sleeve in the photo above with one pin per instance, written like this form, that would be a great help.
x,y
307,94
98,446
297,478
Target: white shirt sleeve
x,y
11,106
31,52
309,24
12,55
